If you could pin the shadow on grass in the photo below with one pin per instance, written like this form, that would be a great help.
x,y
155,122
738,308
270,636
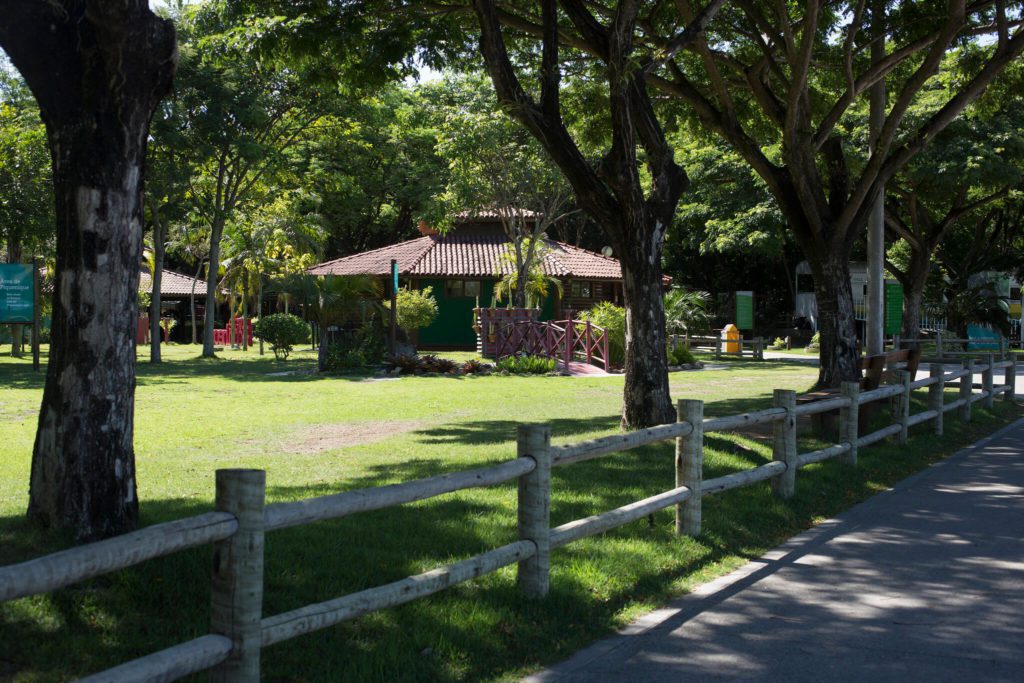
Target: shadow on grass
x,y
477,630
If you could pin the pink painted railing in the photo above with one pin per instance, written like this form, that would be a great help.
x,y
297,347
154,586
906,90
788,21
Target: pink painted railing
x,y
563,340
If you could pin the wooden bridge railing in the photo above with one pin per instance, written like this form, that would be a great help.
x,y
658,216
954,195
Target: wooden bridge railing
x,y
562,340
239,521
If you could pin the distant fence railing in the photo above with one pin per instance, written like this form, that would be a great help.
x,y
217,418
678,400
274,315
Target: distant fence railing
x,y
938,348
239,521
721,347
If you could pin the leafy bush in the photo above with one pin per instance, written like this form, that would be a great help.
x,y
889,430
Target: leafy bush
x,y
432,363
680,355
282,331
406,364
613,319
526,365
779,343
412,364
340,359
354,350
416,308
476,367
815,342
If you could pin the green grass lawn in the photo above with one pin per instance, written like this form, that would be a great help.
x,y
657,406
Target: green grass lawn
x,y
317,435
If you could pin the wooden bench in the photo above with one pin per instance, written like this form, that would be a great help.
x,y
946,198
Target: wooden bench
x,y
875,371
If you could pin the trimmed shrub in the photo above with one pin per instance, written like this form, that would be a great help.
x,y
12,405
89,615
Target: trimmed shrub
x,y
680,355
779,343
282,331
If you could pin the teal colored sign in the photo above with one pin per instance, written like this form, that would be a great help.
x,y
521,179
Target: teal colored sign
x,y
745,310
893,307
16,293
394,276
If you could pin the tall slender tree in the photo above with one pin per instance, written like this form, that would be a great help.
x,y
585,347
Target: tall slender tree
x,y
632,197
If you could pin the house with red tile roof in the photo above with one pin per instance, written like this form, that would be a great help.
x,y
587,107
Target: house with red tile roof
x,y
462,267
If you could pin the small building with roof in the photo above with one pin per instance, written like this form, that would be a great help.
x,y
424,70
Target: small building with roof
x,y
463,265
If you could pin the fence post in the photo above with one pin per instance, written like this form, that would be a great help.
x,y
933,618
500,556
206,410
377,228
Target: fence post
x,y
1002,347
1010,379
988,383
936,393
690,466
570,342
237,579
588,343
784,448
901,412
534,441
718,347
966,386
849,428
759,348
938,344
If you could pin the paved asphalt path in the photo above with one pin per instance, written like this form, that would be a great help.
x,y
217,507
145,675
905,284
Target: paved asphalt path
x,y
924,582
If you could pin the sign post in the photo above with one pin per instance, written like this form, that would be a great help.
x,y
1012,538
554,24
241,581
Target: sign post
x,y
19,300
893,307
745,310
35,314
394,305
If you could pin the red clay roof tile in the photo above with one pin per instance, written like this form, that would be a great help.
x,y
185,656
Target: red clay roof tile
x,y
468,255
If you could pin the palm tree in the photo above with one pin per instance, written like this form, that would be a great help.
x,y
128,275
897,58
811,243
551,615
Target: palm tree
x,y
977,305
686,311
330,300
536,284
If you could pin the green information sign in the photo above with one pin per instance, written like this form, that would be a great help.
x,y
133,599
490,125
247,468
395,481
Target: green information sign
x,y
893,306
16,293
745,310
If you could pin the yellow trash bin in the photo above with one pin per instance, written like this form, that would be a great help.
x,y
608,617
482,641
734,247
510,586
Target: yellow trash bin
x,y
731,336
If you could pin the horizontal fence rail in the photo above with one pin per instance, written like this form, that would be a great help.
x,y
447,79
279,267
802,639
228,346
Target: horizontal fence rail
x,y
284,515
237,527
95,559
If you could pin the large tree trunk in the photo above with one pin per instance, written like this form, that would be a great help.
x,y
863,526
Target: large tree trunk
x,y
838,350
646,397
98,70
210,319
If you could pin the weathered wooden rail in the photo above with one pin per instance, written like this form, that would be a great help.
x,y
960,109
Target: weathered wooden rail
x,y
240,520
717,344
953,349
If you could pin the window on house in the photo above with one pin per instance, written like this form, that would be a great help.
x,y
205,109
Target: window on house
x,y
460,289
581,289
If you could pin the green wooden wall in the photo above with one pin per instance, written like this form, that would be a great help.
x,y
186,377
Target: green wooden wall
x,y
454,323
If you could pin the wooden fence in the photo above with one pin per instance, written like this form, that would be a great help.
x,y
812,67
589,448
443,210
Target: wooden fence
x,y
953,349
239,521
718,345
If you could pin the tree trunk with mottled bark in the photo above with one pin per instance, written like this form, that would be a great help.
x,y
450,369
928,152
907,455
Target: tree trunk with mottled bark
x,y
646,397
836,323
210,318
98,70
